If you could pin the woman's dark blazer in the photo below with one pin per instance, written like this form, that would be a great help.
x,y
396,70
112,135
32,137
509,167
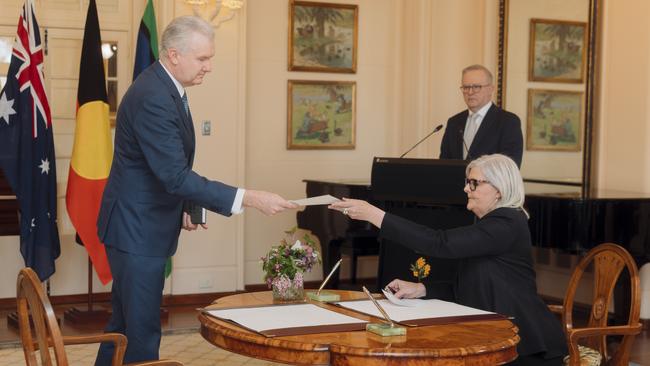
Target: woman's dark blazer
x,y
496,271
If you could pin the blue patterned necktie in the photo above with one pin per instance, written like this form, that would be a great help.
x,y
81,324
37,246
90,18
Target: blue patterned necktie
x,y
185,104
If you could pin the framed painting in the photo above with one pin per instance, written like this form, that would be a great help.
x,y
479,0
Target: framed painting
x,y
322,37
557,51
321,114
554,120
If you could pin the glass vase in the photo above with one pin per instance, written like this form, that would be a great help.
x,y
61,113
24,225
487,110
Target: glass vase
x,y
285,289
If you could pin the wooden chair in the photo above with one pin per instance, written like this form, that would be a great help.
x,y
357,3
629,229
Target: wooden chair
x,y
31,298
608,260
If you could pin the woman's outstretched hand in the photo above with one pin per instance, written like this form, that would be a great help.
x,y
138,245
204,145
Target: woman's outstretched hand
x,y
359,210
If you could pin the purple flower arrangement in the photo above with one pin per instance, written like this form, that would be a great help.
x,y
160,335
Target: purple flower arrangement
x,y
285,264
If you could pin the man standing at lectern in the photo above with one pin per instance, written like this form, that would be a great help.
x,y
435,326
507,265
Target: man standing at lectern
x,y
483,128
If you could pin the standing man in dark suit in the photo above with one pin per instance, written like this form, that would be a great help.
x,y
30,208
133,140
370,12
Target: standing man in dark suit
x,y
483,128
151,178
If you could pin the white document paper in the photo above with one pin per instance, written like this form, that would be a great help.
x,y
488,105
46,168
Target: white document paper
x,y
428,309
264,318
402,302
318,200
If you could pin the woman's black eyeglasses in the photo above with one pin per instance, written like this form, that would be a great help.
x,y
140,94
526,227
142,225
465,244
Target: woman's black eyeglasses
x,y
473,183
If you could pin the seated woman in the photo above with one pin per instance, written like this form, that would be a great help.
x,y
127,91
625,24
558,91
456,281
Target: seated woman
x,y
496,269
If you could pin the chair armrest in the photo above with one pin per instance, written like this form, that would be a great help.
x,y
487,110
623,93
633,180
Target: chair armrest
x,y
575,334
116,338
119,340
157,363
558,309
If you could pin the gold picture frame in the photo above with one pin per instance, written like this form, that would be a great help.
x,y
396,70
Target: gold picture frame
x,y
323,37
557,51
321,114
554,120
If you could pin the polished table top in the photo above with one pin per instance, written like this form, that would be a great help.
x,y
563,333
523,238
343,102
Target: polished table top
x,y
469,343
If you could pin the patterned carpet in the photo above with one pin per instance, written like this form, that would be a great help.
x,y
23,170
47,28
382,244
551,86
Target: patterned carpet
x,y
189,348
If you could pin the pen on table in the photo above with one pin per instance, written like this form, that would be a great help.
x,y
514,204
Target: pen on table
x,y
329,275
381,309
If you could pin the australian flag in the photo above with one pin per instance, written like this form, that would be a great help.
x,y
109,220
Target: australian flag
x,y
27,147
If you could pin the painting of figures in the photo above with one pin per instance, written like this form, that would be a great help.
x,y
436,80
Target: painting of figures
x,y
321,114
557,51
322,37
554,120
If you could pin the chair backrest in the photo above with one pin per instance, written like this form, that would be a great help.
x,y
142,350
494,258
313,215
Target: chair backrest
x,y
608,260
32,300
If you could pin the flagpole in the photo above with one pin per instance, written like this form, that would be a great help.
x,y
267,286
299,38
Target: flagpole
x,y
78,316
90,285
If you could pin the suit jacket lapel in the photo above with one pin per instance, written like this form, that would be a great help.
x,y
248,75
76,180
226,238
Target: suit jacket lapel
x,y
483,130
461,135
186,118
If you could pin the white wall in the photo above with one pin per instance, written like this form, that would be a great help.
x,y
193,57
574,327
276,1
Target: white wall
x,y
439,39
411,53
206,261
269,165
539,164
64,21
624,123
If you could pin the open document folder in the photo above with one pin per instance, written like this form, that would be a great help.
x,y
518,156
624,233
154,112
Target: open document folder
x,y
285,320
425,312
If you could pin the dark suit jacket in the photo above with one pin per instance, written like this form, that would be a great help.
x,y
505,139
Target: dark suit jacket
x,y
151,174
500,132
496,271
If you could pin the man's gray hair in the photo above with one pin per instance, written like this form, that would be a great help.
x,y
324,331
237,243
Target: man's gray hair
x,y
503,174
481,68
178,33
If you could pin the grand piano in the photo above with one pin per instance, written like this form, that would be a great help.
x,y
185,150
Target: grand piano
x,y
562,221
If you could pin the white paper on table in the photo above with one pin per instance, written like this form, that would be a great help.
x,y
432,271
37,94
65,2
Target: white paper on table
x,y
402,302
263,318
318,200
428,309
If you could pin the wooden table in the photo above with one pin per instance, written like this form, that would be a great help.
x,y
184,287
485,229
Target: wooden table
x,y
470,343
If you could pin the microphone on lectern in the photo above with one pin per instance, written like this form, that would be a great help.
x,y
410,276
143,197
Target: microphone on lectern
x,y
438,128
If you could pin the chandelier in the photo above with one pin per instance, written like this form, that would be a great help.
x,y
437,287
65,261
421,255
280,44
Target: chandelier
x,y
200,7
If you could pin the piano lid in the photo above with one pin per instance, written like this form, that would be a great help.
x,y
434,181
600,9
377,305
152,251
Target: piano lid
x,y
574,193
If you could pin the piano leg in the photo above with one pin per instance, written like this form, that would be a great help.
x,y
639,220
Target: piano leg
x,y
329,260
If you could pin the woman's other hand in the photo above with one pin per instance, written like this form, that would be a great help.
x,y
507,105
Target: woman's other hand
x,y
406,289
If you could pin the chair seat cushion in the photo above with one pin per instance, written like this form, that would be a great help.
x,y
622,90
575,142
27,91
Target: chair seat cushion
x,y
588,357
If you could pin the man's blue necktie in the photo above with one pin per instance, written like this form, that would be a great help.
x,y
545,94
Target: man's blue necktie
x,y
186,104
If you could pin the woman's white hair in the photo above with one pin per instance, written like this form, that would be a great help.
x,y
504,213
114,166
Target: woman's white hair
x,y
178,33
503,174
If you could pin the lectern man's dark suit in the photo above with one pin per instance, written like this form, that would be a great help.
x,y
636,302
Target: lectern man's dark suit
x,y
500,132
141,210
